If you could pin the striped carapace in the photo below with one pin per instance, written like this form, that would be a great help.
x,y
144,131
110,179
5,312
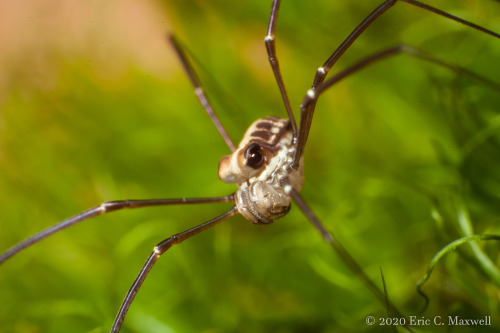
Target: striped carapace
x,y
261,166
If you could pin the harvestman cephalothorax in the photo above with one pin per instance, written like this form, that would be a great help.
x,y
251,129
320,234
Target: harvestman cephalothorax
x,y
267,165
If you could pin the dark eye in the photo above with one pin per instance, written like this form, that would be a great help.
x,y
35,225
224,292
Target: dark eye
x,y
253,156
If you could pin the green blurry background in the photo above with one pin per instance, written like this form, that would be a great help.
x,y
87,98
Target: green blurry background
x,y
403,158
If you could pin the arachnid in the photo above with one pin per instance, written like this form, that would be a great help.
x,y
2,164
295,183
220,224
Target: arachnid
x,y
394,156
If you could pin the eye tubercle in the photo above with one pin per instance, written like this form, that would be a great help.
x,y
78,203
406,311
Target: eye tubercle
x,y
241,165
254,156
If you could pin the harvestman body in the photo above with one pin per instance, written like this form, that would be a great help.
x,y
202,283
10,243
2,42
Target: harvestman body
x,y
261,166
267,166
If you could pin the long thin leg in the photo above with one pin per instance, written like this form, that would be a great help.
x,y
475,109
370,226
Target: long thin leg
x,y
158,250
200,93
312,95
106,207
273,60
306,114
451,17
342,252
323,70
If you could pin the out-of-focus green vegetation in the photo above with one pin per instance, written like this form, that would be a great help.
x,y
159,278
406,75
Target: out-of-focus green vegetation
x,y
403,159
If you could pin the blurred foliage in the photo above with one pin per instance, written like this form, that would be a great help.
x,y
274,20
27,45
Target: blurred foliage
x,y
403,159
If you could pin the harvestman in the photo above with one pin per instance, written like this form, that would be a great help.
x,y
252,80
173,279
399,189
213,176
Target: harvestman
x,y
267,166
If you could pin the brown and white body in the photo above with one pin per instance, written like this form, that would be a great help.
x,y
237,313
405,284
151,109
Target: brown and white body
x,y
261,166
